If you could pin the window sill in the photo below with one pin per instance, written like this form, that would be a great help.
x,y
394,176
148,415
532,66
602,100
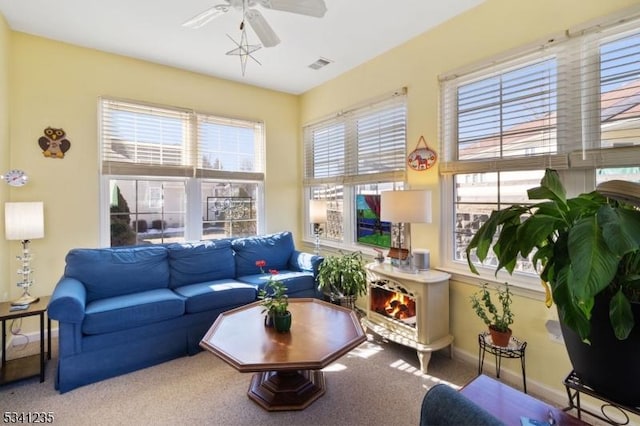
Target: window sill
x,y
524,286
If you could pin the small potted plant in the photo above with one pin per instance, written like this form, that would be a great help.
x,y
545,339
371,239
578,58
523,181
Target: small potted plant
x,y
497,319
343,278
275,301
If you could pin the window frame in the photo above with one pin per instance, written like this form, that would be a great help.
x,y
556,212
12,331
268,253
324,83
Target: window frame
x,y
350,179
191,173
576,163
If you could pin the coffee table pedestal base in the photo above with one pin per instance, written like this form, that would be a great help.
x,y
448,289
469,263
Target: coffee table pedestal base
x,y
286,390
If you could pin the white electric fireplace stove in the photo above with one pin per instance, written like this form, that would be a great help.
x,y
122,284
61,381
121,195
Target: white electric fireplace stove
x,y
411,309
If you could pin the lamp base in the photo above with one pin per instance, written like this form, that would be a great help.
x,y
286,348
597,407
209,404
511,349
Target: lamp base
x,y
26,299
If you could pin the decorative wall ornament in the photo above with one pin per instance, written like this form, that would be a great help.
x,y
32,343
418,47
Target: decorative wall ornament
x,y
422,158
54,143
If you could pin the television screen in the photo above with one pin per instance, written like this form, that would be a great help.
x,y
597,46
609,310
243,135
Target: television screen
x,y
370,229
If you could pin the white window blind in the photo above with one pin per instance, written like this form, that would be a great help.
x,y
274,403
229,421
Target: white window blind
x,y
503,118
571,103
610,98
366,144
229,148
140,139
325,152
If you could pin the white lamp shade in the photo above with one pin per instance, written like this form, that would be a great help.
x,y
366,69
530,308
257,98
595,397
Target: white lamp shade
x,y
317,211
412,206
24,221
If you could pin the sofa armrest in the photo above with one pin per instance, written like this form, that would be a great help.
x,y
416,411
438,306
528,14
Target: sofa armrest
x,y
443,405
68,301
300,261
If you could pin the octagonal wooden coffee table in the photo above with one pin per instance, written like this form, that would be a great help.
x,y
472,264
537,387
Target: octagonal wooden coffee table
x,y
287,365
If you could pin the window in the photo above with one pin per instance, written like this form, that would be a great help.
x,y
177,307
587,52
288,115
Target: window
x,y
572,105
173,175
358,152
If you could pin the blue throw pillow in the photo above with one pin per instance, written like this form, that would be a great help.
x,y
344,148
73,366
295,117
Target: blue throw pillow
x,y
193,263
116,271
274,249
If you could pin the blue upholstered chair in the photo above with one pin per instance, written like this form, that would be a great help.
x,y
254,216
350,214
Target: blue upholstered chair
x,y
442,405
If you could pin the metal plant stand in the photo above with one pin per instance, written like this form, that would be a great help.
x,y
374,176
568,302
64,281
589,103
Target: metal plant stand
x,y
574,387
515,349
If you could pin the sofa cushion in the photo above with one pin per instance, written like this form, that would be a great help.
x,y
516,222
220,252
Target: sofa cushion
x,y
274,249
109,272
216,294
199,262
294,281
133,310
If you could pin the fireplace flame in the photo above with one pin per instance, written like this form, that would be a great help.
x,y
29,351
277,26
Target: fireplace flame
x,y
392,304
398,307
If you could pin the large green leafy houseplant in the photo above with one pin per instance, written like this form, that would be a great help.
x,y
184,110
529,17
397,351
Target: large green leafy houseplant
x,y
582,246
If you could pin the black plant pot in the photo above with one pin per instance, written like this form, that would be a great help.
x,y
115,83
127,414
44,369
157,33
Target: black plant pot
x,y
609,366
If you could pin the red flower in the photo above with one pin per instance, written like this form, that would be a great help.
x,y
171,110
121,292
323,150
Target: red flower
x,y
261,263
273,271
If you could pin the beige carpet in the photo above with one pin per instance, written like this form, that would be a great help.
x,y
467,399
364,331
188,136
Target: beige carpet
x,y
377,383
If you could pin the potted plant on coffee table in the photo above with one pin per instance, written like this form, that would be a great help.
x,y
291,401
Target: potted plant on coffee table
x,y
497,319
275,302
343,278
587,249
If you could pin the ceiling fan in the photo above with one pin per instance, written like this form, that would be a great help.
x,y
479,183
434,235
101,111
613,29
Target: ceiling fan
x,y
263,30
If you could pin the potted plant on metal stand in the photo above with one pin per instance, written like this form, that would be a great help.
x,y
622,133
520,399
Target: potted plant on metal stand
x,y
497,319
343,278
587,249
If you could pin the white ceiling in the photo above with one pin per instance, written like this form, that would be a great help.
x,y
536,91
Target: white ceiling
x,y
351,33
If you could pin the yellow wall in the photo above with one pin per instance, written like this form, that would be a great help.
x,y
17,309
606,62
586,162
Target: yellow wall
x,y
5,39
56,84
490,29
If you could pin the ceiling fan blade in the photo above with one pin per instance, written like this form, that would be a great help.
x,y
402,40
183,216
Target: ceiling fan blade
x,y
263,30
315,8
207,16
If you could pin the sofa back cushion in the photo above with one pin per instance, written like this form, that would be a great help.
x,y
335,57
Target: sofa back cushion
x,y
116,271
192,263
274,249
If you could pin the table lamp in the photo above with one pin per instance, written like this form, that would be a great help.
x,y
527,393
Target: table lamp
x,y
24,222
317,216
405,207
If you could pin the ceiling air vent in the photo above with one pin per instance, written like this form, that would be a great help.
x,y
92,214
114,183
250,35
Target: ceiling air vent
x,y
321,62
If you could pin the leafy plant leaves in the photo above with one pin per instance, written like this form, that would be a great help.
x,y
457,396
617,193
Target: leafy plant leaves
x,y
621,315
592,263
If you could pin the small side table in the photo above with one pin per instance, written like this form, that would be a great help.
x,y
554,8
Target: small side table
x,y
29,366
515,349
573,382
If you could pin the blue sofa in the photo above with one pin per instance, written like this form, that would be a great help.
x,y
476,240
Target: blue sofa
x,y
125,308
